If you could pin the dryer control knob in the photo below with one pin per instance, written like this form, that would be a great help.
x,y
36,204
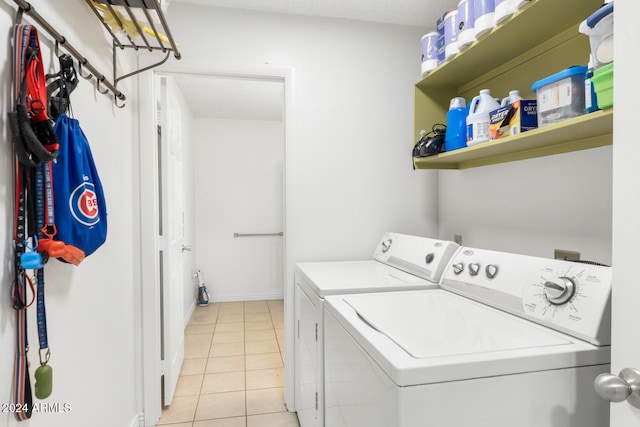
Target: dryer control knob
x,y
559,290
386,245
429,258
491,271
474,269
458,268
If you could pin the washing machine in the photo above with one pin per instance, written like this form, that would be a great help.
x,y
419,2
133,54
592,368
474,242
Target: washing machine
x,y
508,340
400,262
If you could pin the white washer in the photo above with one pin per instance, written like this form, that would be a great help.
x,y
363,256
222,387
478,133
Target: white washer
x,y
508,341
400,262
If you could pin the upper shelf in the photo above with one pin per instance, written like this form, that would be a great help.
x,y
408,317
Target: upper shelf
x,y
136,24
531,26
580,133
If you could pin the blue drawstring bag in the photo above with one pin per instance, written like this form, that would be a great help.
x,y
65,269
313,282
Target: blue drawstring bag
x,y
80,208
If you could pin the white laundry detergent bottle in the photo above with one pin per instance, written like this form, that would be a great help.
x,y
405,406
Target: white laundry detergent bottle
x,y
504,9
478,118
514,95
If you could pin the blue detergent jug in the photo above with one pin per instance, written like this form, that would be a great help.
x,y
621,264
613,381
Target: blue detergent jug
x,y
456,134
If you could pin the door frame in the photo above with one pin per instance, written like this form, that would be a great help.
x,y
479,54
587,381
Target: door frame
x,y
147,296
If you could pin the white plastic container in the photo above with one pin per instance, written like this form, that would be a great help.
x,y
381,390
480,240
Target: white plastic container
x,y
485,16
429,44
504,9
599,28
514,95
451,34
466,33
478,118
519,3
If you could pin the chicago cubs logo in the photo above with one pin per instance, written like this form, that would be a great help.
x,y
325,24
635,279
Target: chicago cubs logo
x,y
83,204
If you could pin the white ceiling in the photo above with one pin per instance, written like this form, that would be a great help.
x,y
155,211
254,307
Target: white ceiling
x,y
419,13
232,98
246,99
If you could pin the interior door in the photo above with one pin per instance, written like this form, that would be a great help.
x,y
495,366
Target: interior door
x,y
171,232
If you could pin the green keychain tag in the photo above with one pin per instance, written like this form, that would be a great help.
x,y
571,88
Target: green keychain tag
x,y
44,381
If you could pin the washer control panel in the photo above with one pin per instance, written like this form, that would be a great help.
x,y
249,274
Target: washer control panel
x,y
567,296
421,256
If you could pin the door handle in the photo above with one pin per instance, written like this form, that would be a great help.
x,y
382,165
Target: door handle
x,y
625,386
186,248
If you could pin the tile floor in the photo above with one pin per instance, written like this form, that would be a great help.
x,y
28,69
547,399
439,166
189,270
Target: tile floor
x,y
233,370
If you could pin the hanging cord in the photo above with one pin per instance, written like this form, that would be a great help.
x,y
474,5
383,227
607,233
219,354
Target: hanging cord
x,y
43,217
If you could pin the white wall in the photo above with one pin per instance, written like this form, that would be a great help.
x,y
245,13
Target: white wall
x,y
90,308
239,183
533,206
354,119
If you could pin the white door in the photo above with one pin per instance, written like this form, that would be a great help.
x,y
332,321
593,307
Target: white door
x,y
171,232
625,350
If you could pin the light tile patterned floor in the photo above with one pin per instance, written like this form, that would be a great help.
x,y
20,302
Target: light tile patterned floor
x,y
233,370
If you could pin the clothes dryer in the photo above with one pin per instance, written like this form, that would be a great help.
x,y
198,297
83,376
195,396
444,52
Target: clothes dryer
x,y
509,340
400,262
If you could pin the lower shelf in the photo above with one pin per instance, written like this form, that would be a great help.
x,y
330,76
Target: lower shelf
x,y
580,133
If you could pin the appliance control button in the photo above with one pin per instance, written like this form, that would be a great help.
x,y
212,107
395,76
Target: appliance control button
x,y
429,258
559,290
458,268
386,245
474,268
491,270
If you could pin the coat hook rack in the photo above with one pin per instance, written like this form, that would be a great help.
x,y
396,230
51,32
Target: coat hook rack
x,y
126,30
62,41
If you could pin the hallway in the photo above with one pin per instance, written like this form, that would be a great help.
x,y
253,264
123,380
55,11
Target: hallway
x,y
233,372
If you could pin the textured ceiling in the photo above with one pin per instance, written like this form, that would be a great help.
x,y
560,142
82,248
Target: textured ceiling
x,y
420,13
232,98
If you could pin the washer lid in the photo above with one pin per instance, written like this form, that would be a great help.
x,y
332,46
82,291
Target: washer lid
x,y
439,324
342,277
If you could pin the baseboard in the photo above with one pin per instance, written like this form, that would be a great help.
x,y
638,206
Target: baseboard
x,y
233,298
138,420
189,312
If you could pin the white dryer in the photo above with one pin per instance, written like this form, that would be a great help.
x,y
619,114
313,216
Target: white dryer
x,y
509,340
400,262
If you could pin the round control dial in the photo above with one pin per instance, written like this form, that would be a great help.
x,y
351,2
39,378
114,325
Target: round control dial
x,y
458,268
386,245
429,258
474,268
559,290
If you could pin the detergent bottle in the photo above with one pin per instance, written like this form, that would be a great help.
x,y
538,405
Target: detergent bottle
x,y
514,95
456,134
478,118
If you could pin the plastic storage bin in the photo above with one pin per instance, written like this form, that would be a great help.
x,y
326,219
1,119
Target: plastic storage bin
x,y
560,96
602,81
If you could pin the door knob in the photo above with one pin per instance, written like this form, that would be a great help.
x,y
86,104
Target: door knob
x,y
186,248
626,386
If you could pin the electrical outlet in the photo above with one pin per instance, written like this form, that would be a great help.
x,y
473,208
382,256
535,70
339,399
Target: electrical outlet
x,y
566,255
457,238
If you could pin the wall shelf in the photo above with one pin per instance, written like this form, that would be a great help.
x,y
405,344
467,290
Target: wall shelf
x,y
537,41
135,24
580,133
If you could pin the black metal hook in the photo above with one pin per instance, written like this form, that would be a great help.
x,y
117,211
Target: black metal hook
x,y
86,77
98,87
116,97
